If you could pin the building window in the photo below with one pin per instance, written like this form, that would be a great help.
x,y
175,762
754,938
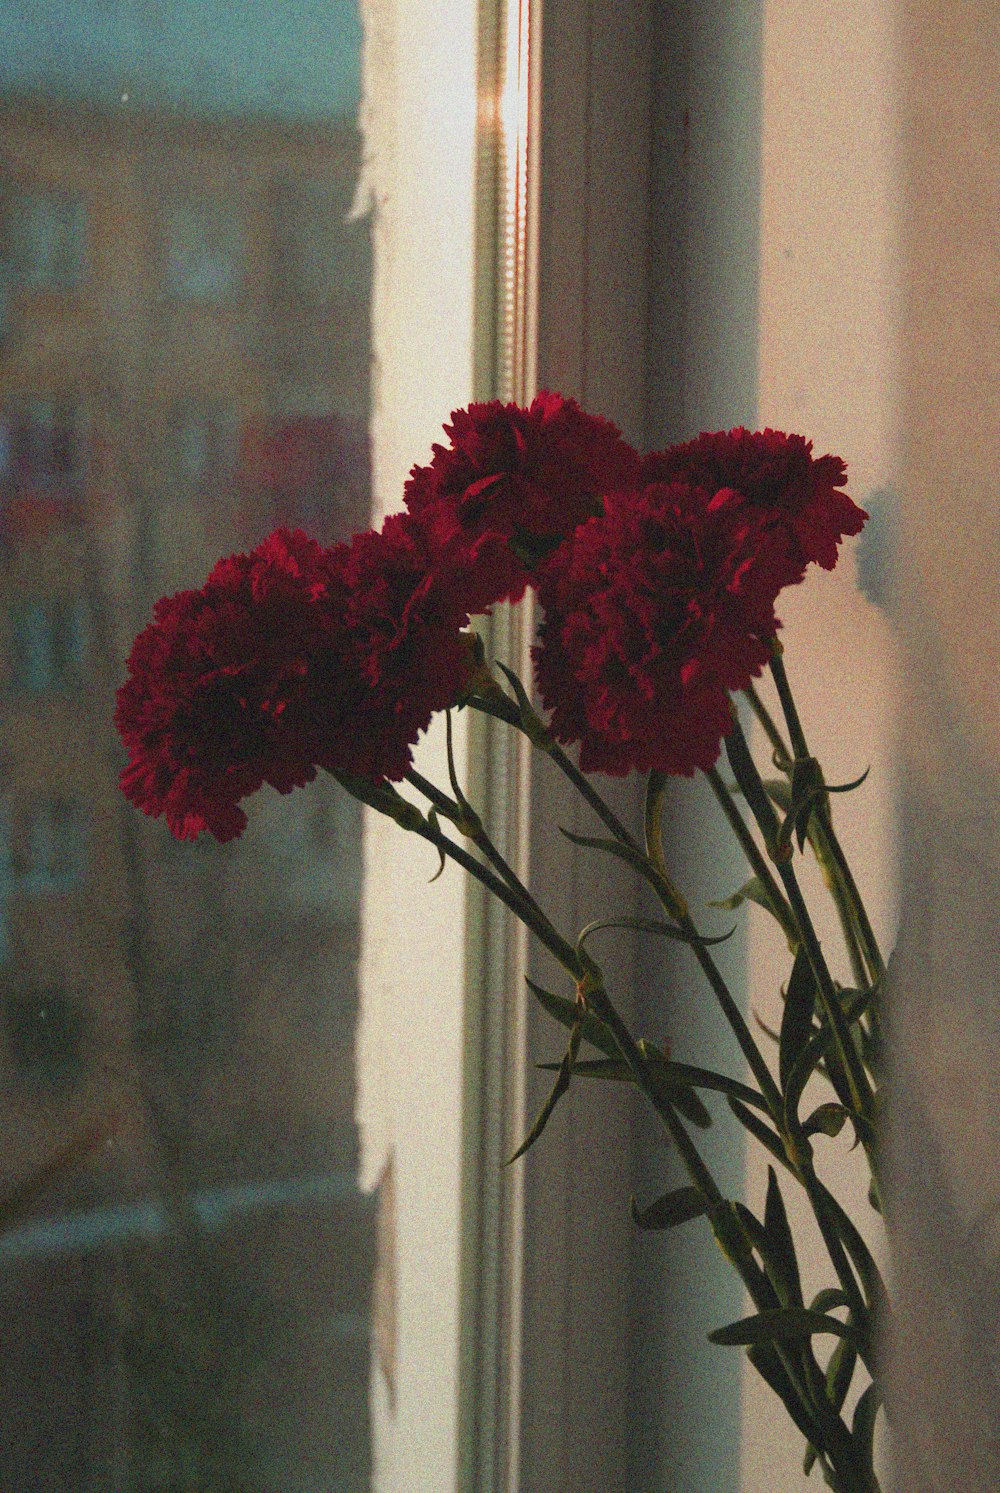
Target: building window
x,y
42,445
204,250
203,448
47,643
45,1031
42,844
48,239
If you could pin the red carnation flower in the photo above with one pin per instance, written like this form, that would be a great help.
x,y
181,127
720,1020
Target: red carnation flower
x,y
400,657
780,481
652,613
510,486
217,698
290,658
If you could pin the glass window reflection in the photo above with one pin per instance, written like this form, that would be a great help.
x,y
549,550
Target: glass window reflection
x,y
186,1259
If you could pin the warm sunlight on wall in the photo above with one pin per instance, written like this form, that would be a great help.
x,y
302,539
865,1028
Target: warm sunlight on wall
x,y
419,116
827,368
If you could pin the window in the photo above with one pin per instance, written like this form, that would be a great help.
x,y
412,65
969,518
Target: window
x,y
47,643
45,1030
47,233
204,250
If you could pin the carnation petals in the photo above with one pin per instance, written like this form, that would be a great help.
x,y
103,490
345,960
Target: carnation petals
x,y
650,618
289,658
511,482
657,579
779,479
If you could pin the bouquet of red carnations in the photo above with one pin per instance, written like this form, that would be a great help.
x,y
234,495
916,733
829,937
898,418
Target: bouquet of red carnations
x,y
656,580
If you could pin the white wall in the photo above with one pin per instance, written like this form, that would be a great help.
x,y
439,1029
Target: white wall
x,y
419,117
828,369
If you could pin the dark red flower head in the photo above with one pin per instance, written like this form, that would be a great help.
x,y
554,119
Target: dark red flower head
x,y
780,481
216,702
652,613
400,652
290,658
512,484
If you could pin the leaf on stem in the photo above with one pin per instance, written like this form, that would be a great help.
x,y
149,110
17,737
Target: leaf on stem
x,y
863,1424
706,1078
830,1296
664,1077
751,891
840,1372
627,853
781,1244
558,1090
808,1060
782,1325
797,1017
435,824
808,790
651,925
615,1070
769,1366
674,1208
531,722
767,1137
827,1119
779,791
568,1013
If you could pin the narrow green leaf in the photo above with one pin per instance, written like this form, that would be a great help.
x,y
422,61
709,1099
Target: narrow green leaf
x,y
767,1137
558,1090
797,1017
750,891
808,1060
785,1324
720,1083
847,787
807,786
614,1070
745,773
673,1088
827,1119
526,707
435,823
863,1424
567,1012
861,1257
781,1244
626,853
779,791
674,1208
840,1372
651,925
770,1368
730,1235
829,1297
677,1089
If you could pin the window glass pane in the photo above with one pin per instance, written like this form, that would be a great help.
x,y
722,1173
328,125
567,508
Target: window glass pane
x,y
186,1258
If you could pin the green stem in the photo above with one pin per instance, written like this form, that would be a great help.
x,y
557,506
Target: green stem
x,y
869,943
776,901
788,707
503,708
677,907
467,821
782,756
820,845
384,798
827,846
749,780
